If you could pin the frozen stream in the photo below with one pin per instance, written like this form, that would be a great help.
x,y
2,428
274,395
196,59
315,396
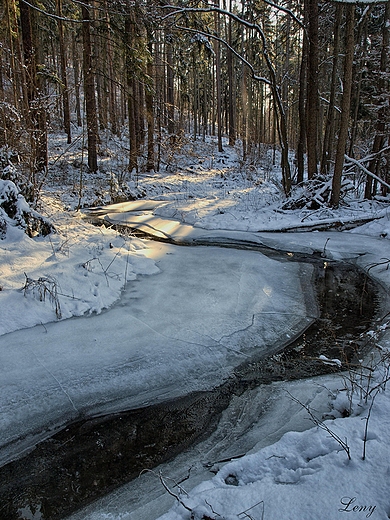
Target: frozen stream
x,y
209,312
180,331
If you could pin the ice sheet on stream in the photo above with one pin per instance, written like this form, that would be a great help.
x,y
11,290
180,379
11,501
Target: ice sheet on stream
x,y
208,310
253,420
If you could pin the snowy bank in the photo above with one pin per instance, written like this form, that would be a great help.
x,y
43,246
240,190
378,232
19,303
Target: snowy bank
x,y
80,269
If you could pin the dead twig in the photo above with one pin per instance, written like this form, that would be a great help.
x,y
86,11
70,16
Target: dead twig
x,y
167,489
344,445
246,515
42,288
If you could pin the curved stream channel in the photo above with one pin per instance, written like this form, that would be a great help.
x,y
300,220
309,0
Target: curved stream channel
x,y
88,459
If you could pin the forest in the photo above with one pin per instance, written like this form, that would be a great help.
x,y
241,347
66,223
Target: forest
x,y
308,80
256,134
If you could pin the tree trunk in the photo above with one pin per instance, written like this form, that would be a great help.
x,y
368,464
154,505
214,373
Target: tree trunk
x,y
64,79
89,90
149,108
359,67
380,134
205,103
13,35
140,116
286,73
218,81
327,154
133,163
301,148
37,110
195,90
170,86
231,82
76,74
159,94
244,124
113,108
345,105
131,94
312,90
3,122
112,105
280,121
101,86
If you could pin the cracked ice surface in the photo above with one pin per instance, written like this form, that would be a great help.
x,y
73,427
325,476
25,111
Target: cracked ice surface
x,y
182,330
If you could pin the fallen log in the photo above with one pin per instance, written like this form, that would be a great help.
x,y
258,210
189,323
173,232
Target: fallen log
x,y
337,224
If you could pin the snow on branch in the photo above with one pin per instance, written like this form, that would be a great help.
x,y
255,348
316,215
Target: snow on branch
x,y
375,154
366,171
64,18
213,9
51,15
202,38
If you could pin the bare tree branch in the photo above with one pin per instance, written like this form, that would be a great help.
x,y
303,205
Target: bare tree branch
x,y
287,11
233,51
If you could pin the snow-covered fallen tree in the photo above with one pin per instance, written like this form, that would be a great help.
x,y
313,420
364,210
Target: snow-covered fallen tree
x,y
315,193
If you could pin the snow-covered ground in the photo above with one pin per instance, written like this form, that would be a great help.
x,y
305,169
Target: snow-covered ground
x,y
306,475
82,269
